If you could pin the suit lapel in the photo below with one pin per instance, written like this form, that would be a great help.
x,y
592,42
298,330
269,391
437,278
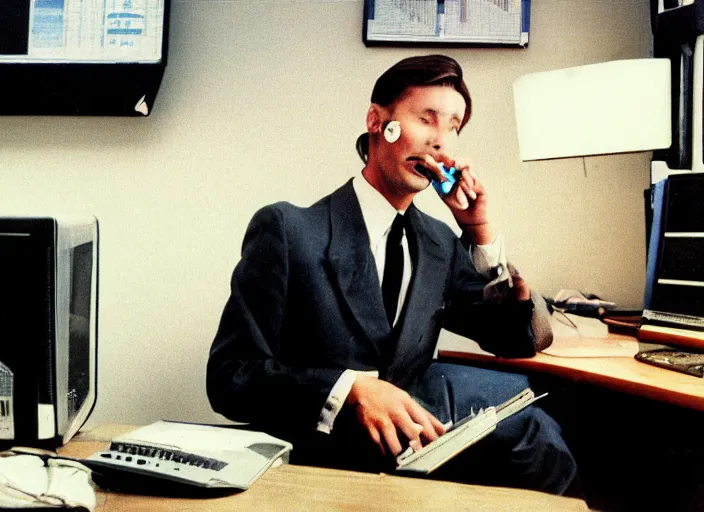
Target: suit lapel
x,y
428,280
352,264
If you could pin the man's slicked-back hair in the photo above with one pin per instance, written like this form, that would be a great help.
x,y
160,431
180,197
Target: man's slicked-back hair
x,y
416,71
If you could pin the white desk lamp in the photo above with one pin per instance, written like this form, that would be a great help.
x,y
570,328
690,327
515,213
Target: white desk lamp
x,y
613,107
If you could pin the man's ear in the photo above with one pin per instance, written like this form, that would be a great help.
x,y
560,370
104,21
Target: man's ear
x,y
375,118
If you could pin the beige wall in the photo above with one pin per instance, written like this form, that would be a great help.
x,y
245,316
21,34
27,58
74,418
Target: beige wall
x,y
262,101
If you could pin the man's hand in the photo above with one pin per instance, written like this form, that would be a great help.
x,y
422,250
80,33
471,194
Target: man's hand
x,y
503,289
521,290
383,410
468,200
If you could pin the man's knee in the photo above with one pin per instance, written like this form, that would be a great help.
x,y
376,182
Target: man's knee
x,y
537,450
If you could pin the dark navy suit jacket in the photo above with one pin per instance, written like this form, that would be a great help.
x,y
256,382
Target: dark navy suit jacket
x,y
306,304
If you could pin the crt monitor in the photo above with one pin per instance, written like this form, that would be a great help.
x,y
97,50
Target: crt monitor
x,y
81,31
82,57
48,327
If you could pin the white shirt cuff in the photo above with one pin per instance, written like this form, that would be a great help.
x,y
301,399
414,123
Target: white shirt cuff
x,y
336,398
487,257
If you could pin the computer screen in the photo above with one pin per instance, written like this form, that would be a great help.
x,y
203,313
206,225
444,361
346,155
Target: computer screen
x,y
81,31
675,268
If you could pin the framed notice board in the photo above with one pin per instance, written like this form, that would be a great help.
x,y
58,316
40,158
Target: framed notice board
x,y
446,22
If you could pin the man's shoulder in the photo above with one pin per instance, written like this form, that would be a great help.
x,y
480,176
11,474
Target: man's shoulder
x,y
289,213
285,212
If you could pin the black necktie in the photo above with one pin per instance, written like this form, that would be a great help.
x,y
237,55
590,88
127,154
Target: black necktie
x,y
393,269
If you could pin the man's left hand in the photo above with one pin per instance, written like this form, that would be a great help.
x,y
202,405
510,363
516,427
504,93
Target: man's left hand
x,y
521,290
467,200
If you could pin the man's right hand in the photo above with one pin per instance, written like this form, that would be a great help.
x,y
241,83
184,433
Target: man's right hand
x,y
383,410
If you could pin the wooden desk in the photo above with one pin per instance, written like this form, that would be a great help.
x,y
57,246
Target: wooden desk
x,y
653,421
291,487
623,374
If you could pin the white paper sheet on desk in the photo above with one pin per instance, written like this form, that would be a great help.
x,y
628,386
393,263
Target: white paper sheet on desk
x,y
580,336
613,346
567,324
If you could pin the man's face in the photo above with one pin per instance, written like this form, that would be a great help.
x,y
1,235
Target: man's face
x,y
430,118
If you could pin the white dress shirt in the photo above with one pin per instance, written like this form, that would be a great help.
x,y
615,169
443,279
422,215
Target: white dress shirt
x,y
378,216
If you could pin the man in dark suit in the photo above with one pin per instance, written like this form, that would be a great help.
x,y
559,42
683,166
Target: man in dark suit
x,y
315,346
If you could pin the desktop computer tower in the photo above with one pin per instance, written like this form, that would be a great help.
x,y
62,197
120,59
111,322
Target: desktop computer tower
x,y
48,328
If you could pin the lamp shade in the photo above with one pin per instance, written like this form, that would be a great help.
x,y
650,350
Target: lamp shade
x,y
612,107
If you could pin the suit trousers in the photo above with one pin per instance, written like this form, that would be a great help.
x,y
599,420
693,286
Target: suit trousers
x,y
526,450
